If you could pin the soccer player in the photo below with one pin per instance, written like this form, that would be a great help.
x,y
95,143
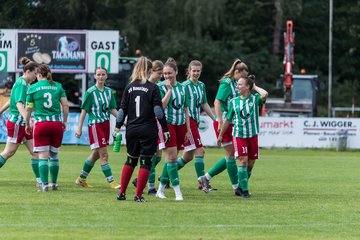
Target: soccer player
x,y
177,115
141,103
98,103
45,98
244,112
196,93
156,75
16,124
226,91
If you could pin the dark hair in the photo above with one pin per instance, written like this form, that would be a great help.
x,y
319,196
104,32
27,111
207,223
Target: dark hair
x,y
28,64
170,62
45,71
102,68
250,80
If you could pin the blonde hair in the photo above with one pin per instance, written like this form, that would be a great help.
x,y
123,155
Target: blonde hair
x,y
242,68
157,65
191,64
141,70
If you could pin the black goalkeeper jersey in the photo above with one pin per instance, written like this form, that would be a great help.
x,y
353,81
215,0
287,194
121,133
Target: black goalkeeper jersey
x,y
138,104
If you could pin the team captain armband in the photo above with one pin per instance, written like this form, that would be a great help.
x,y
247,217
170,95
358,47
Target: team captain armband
x,y
30,104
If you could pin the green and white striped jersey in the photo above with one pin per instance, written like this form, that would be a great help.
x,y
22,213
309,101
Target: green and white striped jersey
x,y
196,95
227,91
45,98
245,115
18,94
174,111
98,104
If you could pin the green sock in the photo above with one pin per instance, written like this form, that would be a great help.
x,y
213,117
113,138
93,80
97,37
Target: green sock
x,y
44,170
2,161
172,169
54,169
157,160
218,167
154,161
35,167
164,179
243,177
107,172
232,170
199,166
86,168
180,163
249,174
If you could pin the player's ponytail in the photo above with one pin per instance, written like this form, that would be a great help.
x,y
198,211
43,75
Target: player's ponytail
x,y
141,70
237,65
170,62
28,64
251,81
45,72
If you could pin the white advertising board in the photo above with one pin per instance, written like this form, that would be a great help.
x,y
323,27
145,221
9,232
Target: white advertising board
x,y
103,50
296,132
7,50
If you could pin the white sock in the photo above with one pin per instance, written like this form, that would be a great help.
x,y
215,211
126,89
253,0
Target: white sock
x,y
161,187
208,177
177,190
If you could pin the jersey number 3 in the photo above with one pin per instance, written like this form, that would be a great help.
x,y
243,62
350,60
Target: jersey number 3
x,y
48,103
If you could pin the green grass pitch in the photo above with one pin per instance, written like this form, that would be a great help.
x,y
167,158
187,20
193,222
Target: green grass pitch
x,y
296,194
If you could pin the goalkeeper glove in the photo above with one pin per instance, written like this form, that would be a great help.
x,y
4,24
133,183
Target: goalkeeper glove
x,y
115,132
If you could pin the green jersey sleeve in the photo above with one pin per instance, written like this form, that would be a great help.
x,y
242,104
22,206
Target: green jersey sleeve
x,y
162,89
230,114
204,98
20,93
223,92
30,97
259,101
187,98
62,92
113,104
86,105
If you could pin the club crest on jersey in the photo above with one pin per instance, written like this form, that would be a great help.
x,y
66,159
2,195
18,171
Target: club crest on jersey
x,y
246,116
251,104
105,108
174,106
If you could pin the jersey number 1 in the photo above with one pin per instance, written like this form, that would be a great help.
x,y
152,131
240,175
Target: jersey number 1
x,y
137,102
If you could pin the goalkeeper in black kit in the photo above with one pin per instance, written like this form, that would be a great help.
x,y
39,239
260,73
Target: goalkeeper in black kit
x,y
141,103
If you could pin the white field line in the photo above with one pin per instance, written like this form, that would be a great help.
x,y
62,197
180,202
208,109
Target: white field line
x,y
94,225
